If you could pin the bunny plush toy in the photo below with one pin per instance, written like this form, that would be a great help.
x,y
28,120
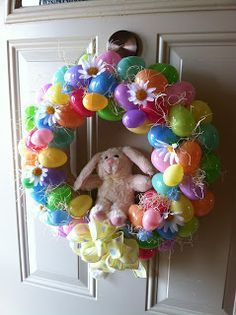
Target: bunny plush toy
x,y
115,182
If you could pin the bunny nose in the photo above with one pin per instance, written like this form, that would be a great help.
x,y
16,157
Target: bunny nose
x,y
110,161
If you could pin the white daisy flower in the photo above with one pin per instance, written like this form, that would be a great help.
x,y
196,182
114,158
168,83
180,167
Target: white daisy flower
x,y
140,94
48,113
91,67
168,151
36,174
171,220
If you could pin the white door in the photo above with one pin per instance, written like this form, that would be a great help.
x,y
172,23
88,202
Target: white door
x,y
38,272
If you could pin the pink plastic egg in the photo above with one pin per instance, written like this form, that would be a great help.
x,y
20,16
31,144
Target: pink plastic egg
x,y
151,220
42,137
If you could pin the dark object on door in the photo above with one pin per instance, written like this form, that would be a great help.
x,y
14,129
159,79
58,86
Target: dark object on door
x,y
125,43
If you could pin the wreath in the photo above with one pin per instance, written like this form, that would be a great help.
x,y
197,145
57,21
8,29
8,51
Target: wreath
x,y
123,228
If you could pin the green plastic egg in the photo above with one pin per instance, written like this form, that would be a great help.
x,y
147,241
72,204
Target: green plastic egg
x,y
128,67
59,197
167,70
181,121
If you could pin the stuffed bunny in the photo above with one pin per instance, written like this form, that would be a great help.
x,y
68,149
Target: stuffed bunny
x,y
115,182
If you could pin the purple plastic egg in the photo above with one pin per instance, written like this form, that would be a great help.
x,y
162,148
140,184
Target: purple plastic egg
x,y
55,176
192,190
121,95
72,77
134,118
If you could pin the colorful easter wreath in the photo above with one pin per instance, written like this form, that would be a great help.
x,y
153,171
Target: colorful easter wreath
x,y
149,100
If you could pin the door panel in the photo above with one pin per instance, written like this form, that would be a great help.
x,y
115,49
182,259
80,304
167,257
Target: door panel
x,y
190,280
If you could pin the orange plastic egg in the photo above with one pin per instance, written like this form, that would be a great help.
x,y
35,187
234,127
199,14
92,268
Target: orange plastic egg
x,y
154,78
189,155
68,117
135,214
204,206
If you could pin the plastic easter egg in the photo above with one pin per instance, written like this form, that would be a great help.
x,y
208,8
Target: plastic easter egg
x,y
27,156
72,77
180,93
189,228
135,214
156,112
154,78
58,76
79,206
211,165
161,133
201,111
142,129
59,197
84,57
29,122
94,101
189,155
128,67
55,177
151,199
58,218
63,137
191,189
181,121
68,117
40,94
208,137
76,102
27,183
159,185
158,161
110,58
151,220
133,118
184,207
38,193
203,206
145,254
42,137
173,175
52,157
64,230
103,83
168,235
112,112
153,242
121,96
54,95
29,143
170,73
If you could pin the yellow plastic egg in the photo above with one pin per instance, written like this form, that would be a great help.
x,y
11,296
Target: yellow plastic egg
x,y
201,111
141,130
80,205
52,157
95,101
55,96
173,175
184,207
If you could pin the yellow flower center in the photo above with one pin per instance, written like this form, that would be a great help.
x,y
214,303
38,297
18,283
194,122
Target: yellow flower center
x,y
92,71
50,110
37,171
170,149
141,95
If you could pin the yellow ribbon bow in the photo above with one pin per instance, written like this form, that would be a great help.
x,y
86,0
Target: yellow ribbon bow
x,y
103,247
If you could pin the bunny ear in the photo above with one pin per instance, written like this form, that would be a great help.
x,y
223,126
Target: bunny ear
x,y
86,171
139,159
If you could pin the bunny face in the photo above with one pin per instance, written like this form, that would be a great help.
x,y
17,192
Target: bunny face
x,y
114,162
